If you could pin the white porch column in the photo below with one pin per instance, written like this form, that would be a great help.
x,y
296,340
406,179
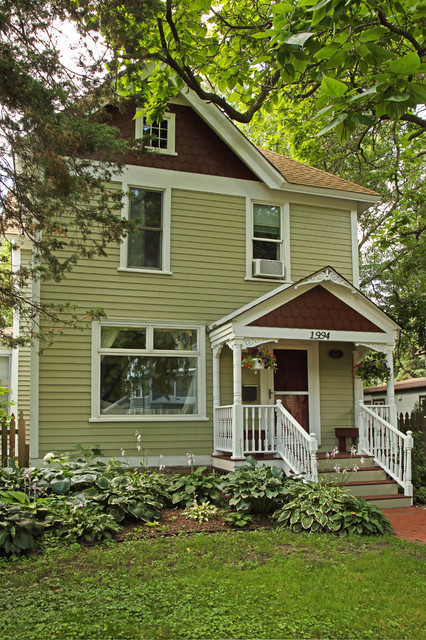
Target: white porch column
x,y
216,393
237,409
358,353
390,395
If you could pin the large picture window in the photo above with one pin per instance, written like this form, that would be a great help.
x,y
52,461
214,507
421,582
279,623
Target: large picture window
x,y
148,371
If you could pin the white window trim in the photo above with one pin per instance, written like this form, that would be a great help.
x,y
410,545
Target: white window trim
x,y
285,238
200,354
165,224
170,150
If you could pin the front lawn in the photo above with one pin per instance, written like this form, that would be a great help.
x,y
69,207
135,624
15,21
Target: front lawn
x,y
245,584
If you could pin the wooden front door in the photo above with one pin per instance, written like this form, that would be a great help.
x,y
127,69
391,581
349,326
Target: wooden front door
x,y
291,383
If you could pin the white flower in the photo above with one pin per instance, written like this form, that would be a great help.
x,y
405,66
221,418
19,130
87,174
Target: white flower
x,y
337,468
138,437
355,469
49,456
353,450
362,460
123,453
161,467
191,459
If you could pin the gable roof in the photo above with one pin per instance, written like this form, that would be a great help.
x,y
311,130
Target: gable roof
x,y
299,173
275,170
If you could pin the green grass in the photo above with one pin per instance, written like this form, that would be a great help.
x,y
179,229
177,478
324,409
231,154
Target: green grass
x,y
262,584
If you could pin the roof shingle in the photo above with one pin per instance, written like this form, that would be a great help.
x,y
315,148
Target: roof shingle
x,y
302,174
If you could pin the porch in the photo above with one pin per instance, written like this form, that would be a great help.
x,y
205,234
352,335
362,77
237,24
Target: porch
x,y
317,334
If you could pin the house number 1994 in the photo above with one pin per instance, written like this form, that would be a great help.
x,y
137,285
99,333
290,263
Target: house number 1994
x,y
319,335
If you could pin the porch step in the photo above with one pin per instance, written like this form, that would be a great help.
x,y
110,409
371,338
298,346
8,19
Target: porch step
x,y
344,460
390,502
364,474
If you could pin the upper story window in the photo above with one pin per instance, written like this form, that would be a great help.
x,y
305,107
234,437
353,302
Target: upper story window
x,y
147,248
268,253
160,136
144,244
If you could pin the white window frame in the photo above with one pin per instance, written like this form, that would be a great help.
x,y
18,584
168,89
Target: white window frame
x,y
97,352
165,229
284,242
170,118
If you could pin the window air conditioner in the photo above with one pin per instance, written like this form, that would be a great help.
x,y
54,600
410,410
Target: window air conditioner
x,y
268,268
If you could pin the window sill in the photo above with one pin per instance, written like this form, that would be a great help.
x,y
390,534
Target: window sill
x,y
156,271
264,278
150,418
160,152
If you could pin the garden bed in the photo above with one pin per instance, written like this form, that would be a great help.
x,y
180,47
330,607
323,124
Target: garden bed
x,y
173,522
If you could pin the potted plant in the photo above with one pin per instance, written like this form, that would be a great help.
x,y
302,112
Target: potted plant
x,y
372,369
259,358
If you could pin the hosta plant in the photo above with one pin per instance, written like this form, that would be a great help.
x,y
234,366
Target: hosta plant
x,y
238,519
74,520
330,508
197,485
256,489
18,528
122,497
201,512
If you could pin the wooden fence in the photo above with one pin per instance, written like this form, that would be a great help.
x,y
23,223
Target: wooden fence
x,y
12,442
415,421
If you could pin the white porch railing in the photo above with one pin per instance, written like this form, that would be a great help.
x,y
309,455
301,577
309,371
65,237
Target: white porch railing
x,y
259,428
296,447
223,429
382,410
390,447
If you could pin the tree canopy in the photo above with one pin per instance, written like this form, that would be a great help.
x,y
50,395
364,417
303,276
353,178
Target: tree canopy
x,y
363,62
50,190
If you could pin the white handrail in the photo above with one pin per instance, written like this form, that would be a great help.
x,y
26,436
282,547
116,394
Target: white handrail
x,y
296,447
390,447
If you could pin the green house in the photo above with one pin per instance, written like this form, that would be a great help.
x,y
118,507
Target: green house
x,y
237,248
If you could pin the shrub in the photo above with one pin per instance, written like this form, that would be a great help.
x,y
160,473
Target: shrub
x,y
256,489
18,528
329,508
72,520
197,485
237,519
201,512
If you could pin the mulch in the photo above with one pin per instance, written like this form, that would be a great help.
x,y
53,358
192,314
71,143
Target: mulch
x,y
172,522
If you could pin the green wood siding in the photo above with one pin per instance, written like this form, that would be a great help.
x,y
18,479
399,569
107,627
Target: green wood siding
x,y
319,237
208,262
336,391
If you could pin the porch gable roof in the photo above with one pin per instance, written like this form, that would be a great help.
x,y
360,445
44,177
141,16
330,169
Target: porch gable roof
x,y
321,306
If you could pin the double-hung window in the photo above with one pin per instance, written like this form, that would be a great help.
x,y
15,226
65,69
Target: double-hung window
x,y
144,245
269,238
147,370
267,233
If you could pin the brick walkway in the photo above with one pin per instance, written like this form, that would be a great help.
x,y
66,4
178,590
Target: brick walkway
x,y
409,523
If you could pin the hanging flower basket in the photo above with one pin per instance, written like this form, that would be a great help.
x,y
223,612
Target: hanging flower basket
x,y
259,358
372,370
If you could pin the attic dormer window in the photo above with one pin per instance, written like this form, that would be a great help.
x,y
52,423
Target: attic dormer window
x,y
159,136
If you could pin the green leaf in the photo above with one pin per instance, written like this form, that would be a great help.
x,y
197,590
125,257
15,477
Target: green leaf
x,y
334,123
405,65
60,486
372,35
360,96
307,522
333,87
298,38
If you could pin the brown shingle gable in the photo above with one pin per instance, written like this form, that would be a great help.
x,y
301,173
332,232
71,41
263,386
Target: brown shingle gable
x,y
302,174
317,309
